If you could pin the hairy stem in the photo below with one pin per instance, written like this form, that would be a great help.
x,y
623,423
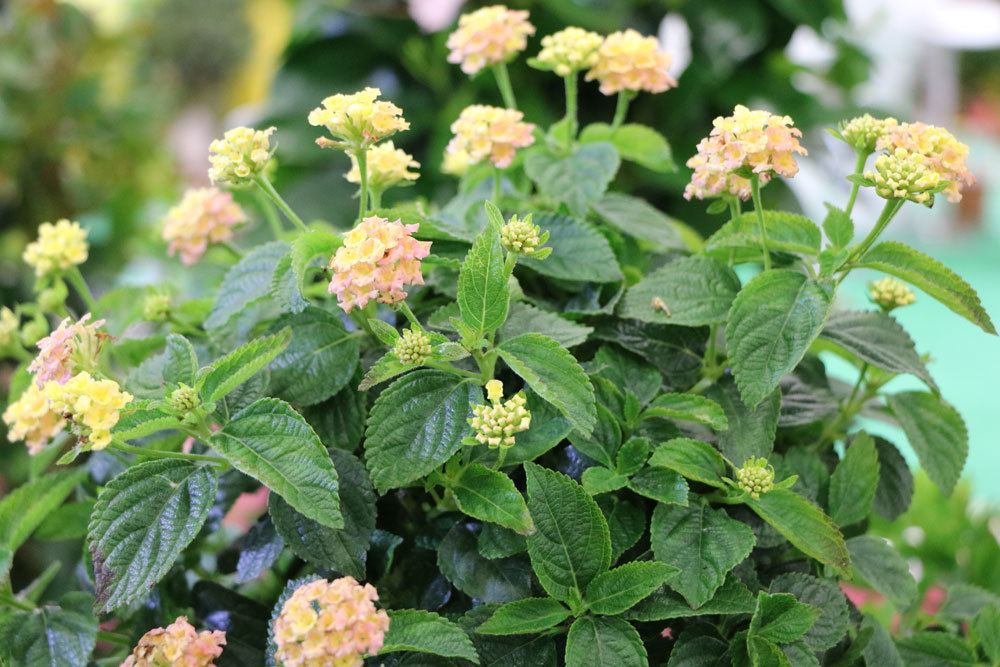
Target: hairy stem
x,y
361,155
571,121
75,279
621,109
268,188
858,168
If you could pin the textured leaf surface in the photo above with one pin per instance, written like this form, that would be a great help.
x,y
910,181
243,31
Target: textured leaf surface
x,y
579,251
319,361
640,219
619,589
418,631
636,143
599,640
490,495
246,282
525,617
883,568
259,548
853,483
804,525
488,580
733,597
232,370
822,594
936,432
180,363
689,407
877,338
525,318
786,232
895,481
665,486
482,284
780,618
935,649
691,291
50,636
751,431
694,459
578,180
24,509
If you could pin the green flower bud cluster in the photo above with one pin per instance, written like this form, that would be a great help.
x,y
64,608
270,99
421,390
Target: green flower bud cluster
x,y
889,293
9,324
904,175
156,307
862,133
413,347
184,400
496,423
521,236
755,477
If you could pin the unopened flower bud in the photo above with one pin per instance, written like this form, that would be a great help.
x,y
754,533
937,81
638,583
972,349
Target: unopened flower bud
x,y
34,331
568,51
52,298
904,175
755,477
889,293
862,133
156,307
413,347
184,400
520,235
9,323
496,424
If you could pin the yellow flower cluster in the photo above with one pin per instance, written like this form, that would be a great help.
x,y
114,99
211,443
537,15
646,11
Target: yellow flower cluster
x,y
496,424
413,347
568,51
862,133
488,36
241,154
204,216
755,477
902,174
521,235
59,247
387,167
630,61
945,155
31,418
177,645
9,324
486,133
357,120
93,406
889,293
329,624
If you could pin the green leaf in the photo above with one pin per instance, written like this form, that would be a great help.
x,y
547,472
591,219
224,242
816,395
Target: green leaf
x,y
703,542
877,338
780,618
180,363
226,374
318,362
598,479
416,425
627,372
525,617
965,601
774,320
246,282
880,651
285,290
272,443
603,442
596,640
640,219
633,455
804,525
552,372
688,407
732,598
525,318
488,580
342,549
750,432
53,636
491,496
665,486
932,277
67,522
418,631
786,232
572,544
619,589
694,459
675,351
143,520
824,595
838,226
578,180
140,418
986,626
626,523
635,143
691,291
696,650
936,432
579,251
309,245
895,481
483,294
935,649
765,653
876,562
24,509
853,483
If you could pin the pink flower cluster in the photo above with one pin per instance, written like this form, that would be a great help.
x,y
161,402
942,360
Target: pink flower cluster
x,y
484,132
55,360
488,36
945,154
628,60
377,260
329,623
750,140
177,645
204,216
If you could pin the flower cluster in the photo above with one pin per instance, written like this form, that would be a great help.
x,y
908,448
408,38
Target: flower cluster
x,y
496,424
204,216
863,133
331,623
945,155
755,477
633,62
521,235
902,174
30,418
568,51
751,140
9,324
156,307
71,346
486,133
488,36
177,645
241,154
357,120
93,405
413,347
889,293
59,247
387,167
377,260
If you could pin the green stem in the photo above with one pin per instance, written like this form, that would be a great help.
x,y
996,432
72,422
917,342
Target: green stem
x,y
890,209
621,109
375,197
11,601
80,285
848,409
161,454
571,121
759,208
497,177
270,215
500,458
859,166
361,155
503,82
113,638
404,308
268,189
236,252
448,368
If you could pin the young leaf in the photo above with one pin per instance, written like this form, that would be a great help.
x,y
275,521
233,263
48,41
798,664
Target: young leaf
x,y
552,372
525,318
853,483
572,544
141,418
877,338
418,631
640,219
774,320
824,595
804,525
272,443
895,481
691,291
24,509
54,636
246,282
180,363
224,375
619,589
626,371
143,520
780,618
732,598
664,486
488,580
936,432
636,143
490,495
579,252
986,626
483,294
883,568
688,407
694,459
525,617
416,425
598,479
751,432
597,640
318,362
578,180
786,232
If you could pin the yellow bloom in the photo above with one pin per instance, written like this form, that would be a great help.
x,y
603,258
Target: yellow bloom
x,y
944,154
9,324
387,167
630,61
358,119
904,175
92,405
241,154
31,418
59,247
863,133
488,133
488,36
568,51
889,294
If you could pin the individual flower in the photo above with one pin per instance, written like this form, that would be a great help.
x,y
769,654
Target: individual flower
x,y
387,167
749,141
489,133
203,216
889,293
522,236
30,418
863,133
92,405
9,325
413,347
59,247
177,645
945,154
903,174
241,154
70,347
329,623
755,477
497,423
488,36
568,51
358,119
377,260
630,61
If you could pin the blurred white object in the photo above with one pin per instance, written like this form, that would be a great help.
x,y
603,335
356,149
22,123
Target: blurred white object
x,y
674,36
434,15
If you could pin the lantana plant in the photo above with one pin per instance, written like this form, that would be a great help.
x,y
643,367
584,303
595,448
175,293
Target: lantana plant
x,y
538,424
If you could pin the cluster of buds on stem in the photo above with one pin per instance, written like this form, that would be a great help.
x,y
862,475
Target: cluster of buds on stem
x,y
240,155
156,307
568,51
902,174
496,424
755,477
863,133
889,294
521,236
413,347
